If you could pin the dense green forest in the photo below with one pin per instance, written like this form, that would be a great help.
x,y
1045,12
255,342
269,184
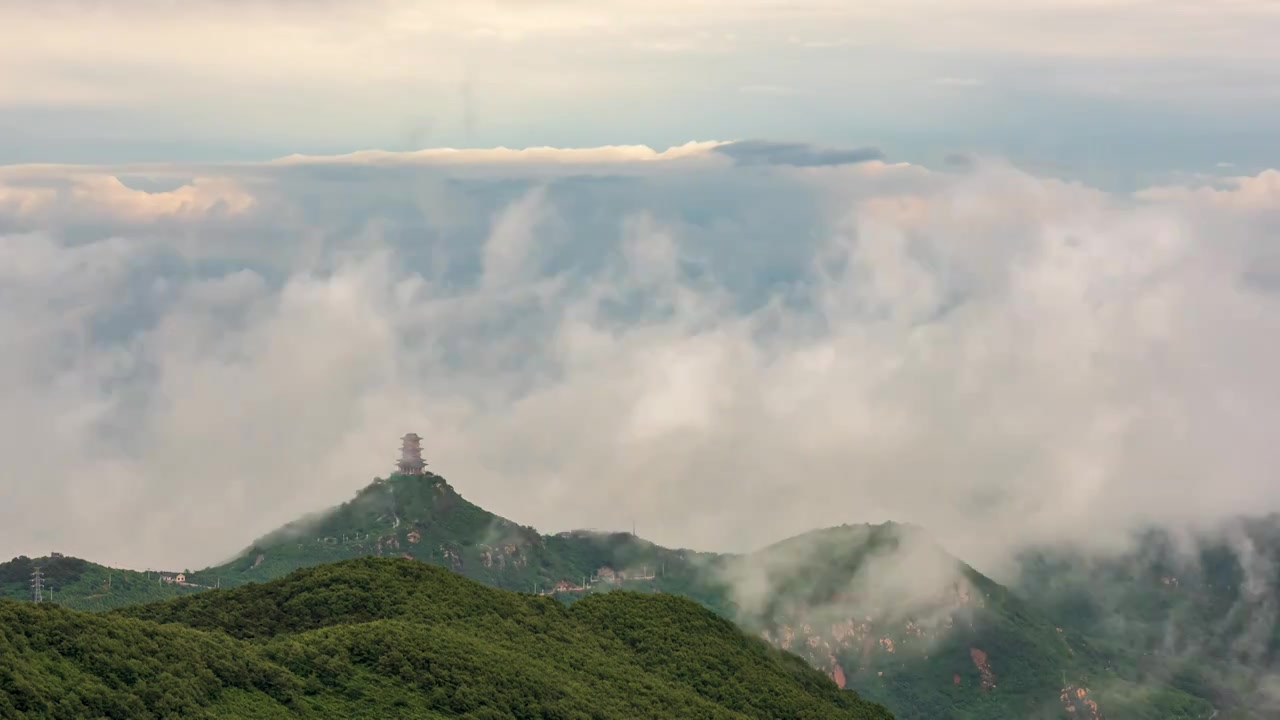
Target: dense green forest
x,y
392,638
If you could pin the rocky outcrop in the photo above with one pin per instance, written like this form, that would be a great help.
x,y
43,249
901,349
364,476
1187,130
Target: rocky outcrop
x,y
981,662
1076,701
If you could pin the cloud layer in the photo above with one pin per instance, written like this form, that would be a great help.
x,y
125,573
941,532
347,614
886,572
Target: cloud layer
x,y
725,353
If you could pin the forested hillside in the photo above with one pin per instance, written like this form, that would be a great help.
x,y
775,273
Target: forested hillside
x,y
391,638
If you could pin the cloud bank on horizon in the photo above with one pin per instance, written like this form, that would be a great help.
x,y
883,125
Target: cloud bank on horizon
x,y
728,343
1101,86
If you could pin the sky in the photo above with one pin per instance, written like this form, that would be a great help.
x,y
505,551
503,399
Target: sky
x,y
1097,89
729,271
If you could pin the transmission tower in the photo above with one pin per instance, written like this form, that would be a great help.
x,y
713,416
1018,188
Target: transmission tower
x,y
37,586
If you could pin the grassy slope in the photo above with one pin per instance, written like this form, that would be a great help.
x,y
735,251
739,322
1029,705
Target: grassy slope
x,y
391,638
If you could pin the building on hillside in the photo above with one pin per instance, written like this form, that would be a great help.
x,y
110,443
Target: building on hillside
x,y
55,555
171,578
411,462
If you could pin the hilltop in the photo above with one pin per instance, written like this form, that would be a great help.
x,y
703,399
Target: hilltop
x,y
424,518
391,638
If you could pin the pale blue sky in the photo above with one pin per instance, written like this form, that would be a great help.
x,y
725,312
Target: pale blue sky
x,y
1101,89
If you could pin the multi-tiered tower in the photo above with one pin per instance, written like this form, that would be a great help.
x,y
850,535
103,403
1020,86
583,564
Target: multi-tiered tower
x,y
411,462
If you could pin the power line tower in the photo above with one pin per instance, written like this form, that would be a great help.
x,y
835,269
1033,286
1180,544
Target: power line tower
x,y
37,586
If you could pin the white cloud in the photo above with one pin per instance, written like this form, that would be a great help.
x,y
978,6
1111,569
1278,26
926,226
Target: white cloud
x,y
507,254
727,354
26,201
40,194
611,154
107,195
1258,192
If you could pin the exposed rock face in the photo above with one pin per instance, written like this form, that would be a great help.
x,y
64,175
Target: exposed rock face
x,y
1076,700
512,551
854,625
984,668
502,556
451,557
837,672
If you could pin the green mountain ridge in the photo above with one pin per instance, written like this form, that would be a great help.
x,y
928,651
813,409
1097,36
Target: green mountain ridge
x,y
391,638
963,647
881,610
424,518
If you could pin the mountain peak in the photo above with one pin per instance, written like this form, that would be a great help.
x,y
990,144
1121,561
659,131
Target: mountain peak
x,y
407,514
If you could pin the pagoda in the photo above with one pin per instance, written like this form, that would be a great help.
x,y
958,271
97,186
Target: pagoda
x,y
411,462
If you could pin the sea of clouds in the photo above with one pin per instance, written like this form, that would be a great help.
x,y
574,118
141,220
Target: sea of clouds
x,y
726,343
